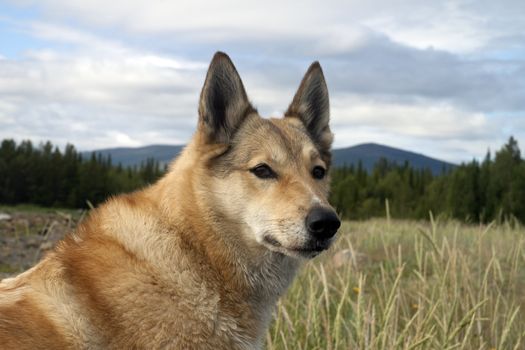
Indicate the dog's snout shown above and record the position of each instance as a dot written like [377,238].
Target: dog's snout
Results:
[322,223]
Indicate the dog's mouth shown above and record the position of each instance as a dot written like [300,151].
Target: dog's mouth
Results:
[311,249]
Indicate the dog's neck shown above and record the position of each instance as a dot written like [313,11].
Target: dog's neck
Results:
[243,264]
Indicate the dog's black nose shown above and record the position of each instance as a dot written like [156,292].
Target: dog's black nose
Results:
[322,223]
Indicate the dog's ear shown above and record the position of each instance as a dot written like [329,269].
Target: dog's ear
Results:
[310,104]
[223,102]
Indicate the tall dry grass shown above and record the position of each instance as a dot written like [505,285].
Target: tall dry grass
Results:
[409,285]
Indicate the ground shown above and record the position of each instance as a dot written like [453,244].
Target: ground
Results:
[27,233]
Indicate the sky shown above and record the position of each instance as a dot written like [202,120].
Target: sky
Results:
[442,78]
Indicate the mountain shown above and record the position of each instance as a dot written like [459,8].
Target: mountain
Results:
[368,153]
[130,156]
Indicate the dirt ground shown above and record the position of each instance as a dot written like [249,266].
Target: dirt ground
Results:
[26,236]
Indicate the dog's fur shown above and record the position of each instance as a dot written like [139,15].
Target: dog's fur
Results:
[198,259]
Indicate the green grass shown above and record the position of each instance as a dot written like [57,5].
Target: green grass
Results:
[6,268]
[410,285]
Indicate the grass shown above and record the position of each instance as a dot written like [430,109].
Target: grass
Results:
[409,285]
[31,208]
[8,269]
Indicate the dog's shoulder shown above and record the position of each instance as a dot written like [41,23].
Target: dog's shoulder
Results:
[24,326]
[28,319]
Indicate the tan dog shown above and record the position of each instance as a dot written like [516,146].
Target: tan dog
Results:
[199,259]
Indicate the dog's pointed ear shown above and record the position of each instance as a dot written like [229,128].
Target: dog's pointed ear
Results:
[223,102]
[311,105]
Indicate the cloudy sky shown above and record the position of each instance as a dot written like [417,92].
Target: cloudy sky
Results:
[443,78]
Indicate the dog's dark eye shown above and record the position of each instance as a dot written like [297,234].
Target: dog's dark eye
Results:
[263,171]
[318,172]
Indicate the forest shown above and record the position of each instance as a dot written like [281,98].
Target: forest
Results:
[49,177]
[493,189]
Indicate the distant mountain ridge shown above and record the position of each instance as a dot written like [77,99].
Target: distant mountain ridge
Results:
[131,156]
[368,153]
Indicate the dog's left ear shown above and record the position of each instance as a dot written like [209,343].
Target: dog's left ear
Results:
[310,104]
[223,102]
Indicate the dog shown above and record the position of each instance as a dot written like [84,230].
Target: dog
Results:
[199,259]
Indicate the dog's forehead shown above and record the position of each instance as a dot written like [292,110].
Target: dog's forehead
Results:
[280,139]
[294,136]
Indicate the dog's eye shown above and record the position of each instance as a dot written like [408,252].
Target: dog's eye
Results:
[263,171]
[318,172]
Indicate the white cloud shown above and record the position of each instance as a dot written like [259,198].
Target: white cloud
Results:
[426,119]
[440,24]
[130,74]
[440,130]
[98,95]
[450,25]
[123,139]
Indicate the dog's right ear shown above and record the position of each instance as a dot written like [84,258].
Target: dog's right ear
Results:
[223,102]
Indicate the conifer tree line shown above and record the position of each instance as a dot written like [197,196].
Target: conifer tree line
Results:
[49,177]
[474,192]
[493,189]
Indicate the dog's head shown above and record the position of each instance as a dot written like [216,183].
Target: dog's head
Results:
[269,177]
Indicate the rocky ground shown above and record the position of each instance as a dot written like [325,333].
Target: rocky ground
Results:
[27,235]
